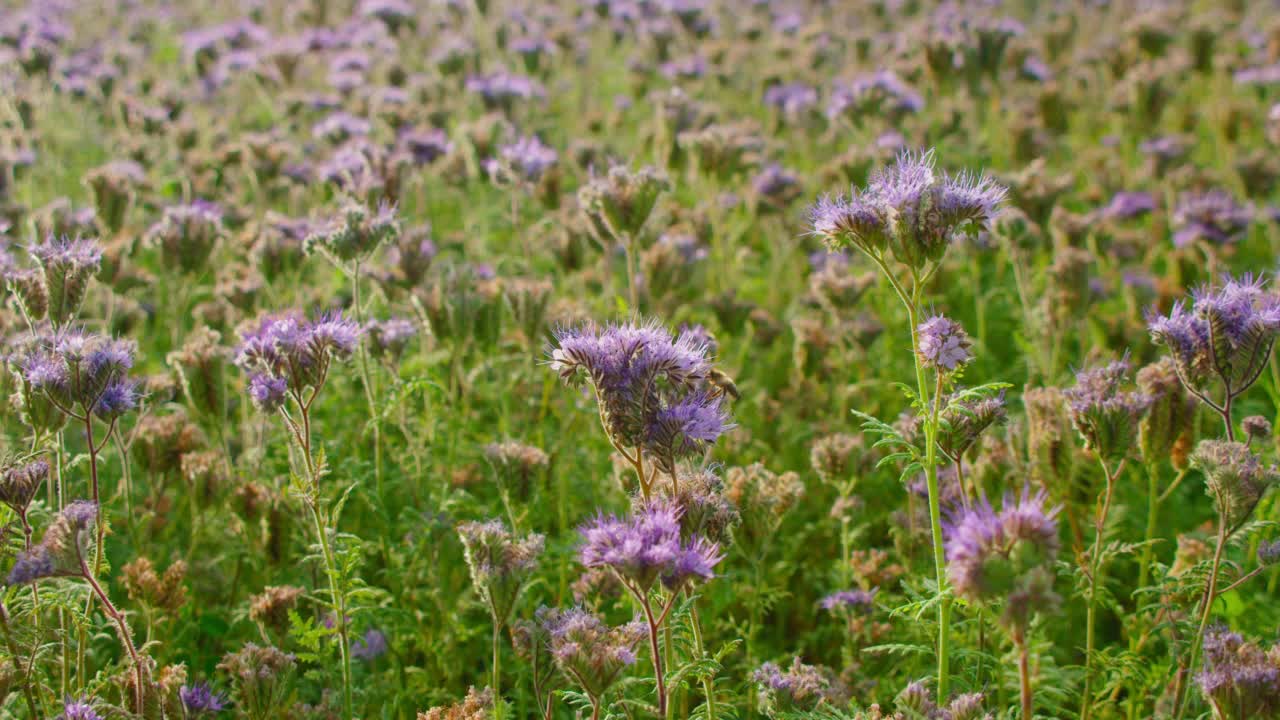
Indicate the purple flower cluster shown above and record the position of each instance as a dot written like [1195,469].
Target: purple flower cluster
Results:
[370,647]
[800,688]
[848,600]
[651,387]
[527,159]
[1240,679]
[909,208]
[200,700]
[587,650]
[79,710]
[943,344]
[1005,555]
[286,353]
[1226,333]
[1213,217]
[648,547]
[1105,416]
[74,373]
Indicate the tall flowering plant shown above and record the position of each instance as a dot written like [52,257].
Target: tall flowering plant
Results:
[288,359]
[904,221]
[1220,343]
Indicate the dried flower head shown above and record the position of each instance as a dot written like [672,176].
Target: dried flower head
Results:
[165,593]
[19,483]
[478,705]
[271,607]
[518,466]
[831,456]
[705,511]
[763,498]
[1168,424]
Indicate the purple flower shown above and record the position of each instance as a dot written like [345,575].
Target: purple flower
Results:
[641,374]
[1128,205]
[267,392]
[1006,555]
[944,345]
[1240,679]
[527,158]
[1214,217]
[79,710]
[647,547]
[116,399]
[1106,417]
[1226,333]
[32,565]
[798,689]
[586,649]
[289,348]
[370,647]
[849,599]
[685,428]
[910,208]
[200,699]
[792,99]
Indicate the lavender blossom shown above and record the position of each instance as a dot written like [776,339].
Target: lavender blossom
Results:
[648,547]
[1213,217]
[909,208]
[589,652]
[1106,417]
[1226,333]
[200,700]
[299,352]
[1007,555]
[943,344]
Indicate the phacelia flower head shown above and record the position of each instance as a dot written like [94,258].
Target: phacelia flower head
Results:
[1240,679]
[849,600]
[64,547]
[964,418]
[1005,555]
[70,371]
[1213,217]
[200,700]
[1169,420]
[80,709]
[66,266]
[298,352]
[500,563]
[943,344]
[800,688]
[621,200]
[1106,416]
[589,652]
[1235,478]
[355,232]
[1227,333]
[651,387]
[909,208]
[187,234]
[20,482]
[525,160]
[370,647]
[647,547]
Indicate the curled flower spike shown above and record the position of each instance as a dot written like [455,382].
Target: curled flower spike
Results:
[63,549]
[653,390]
[354,233]
[66,266]
[799,688]
[622,200]
[910,209]
[1240,679]
[1226,334]
[1106,417]
[187,234]
[290,350]
[1235,478]
[589,652]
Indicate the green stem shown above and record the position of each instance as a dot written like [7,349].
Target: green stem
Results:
[17,666]
[338,603]
[707,688]
[935,510]
[1024,673]
[497,664]
[1095,573]
[1153,519]
[1197,642]
[367,381]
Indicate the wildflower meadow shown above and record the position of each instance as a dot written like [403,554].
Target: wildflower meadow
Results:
[639,360]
